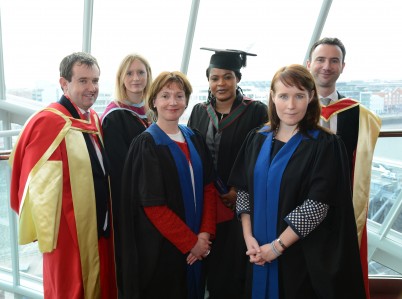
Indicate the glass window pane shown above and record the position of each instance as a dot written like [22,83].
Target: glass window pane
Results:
[370,31]
[379,269]
[154,29]
[278,35]
[31,260]
[386,178]
[36,36]
[385,207]
[5,248]
[397,225]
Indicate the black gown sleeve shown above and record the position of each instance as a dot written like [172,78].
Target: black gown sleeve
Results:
[120,127]
[238,174]
[332,251]
[327,160]
[116,144]
[261,113]
[141,185]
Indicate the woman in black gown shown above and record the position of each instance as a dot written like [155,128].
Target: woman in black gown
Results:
[224,121]
[123,119]
[168,211]
[294,200]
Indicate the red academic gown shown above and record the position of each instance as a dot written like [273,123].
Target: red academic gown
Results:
[52,190]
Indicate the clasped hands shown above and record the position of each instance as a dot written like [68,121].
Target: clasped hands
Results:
[259,255]
[201,249]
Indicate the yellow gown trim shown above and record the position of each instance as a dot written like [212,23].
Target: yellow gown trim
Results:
[369,129]
[39,217]
[83,194]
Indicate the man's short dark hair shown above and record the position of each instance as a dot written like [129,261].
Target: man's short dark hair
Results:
[329,41]
[66,65]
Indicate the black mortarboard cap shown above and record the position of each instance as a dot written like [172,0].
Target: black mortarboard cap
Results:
[228,59]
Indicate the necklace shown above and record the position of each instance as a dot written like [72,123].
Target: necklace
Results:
[274,134]
[221,115]
[295,131]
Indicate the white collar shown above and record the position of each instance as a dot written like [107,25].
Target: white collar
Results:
[333,96]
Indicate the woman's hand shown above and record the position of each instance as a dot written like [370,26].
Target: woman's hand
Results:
[254,251]
[191,259]
[229,199]
[201,249]
[267,253]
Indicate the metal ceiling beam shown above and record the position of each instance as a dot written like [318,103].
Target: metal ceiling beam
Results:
[188,44]
[2,79]
[319,25]
[87,26]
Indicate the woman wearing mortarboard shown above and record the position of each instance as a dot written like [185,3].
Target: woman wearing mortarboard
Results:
[224,121]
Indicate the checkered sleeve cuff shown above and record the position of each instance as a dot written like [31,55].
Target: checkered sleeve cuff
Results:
[305,218]
[242,202]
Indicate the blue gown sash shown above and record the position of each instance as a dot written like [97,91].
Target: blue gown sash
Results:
[267,181]
[193,207]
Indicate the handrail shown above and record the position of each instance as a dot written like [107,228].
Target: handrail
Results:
[385,287]
[5,154]
[396,133]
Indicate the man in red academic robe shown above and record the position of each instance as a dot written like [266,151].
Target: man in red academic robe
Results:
[60,188]
[357,126]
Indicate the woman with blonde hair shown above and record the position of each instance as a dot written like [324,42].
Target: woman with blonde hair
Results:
[125,118]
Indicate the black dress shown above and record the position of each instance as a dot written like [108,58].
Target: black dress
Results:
[227,260]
